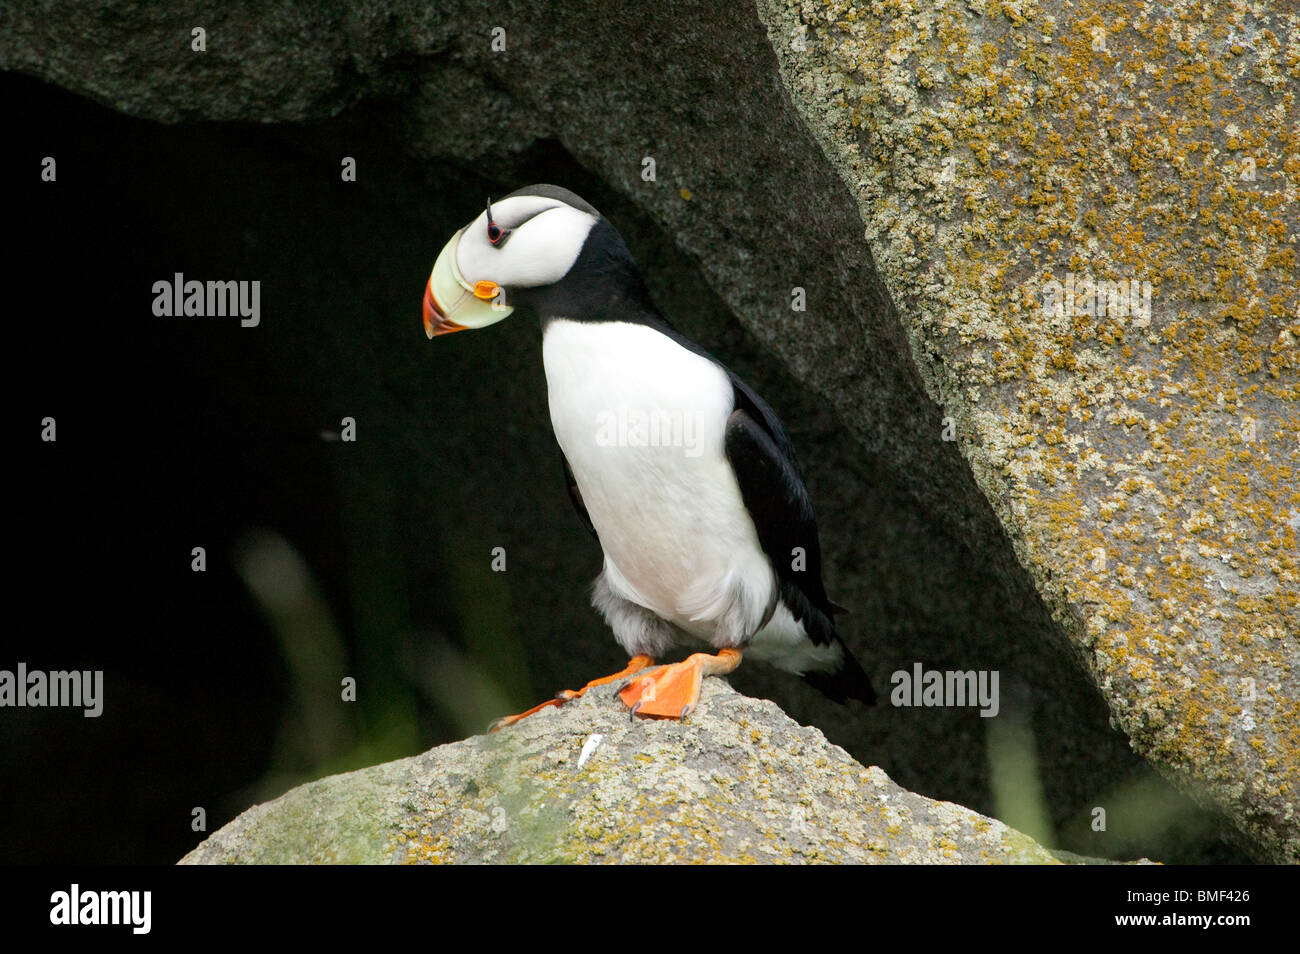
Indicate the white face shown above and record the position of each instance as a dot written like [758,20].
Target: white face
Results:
[534,241]
[543,239]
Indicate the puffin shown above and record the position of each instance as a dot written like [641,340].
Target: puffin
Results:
[684,475]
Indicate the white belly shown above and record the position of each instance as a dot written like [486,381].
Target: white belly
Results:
[641,421]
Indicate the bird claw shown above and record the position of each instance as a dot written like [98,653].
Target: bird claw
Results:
[632,715]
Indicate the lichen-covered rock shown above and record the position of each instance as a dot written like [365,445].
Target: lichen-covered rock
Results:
[738,782]
[1142,445]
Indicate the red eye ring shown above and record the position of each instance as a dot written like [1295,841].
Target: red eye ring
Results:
[496,235]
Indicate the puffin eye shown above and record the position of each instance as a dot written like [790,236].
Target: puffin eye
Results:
[495,233]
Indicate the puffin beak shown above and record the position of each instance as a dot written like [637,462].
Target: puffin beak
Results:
[436,321]
[448,293]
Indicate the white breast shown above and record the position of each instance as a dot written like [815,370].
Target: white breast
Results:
[642,420]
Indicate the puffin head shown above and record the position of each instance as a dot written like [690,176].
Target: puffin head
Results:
[527,241]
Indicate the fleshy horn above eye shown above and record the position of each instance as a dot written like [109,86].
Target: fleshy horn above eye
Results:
[495,233]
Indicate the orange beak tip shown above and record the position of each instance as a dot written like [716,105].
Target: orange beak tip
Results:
[435,320]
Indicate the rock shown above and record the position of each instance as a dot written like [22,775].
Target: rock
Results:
[1144,461]
[739,782]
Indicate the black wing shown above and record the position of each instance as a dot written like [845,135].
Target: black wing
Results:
[772,487]
[774,493]
[576,496]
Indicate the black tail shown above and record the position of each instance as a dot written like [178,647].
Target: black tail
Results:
[851,682]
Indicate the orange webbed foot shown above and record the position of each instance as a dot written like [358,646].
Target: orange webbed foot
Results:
[634,665]
[512,719]
[673,692]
